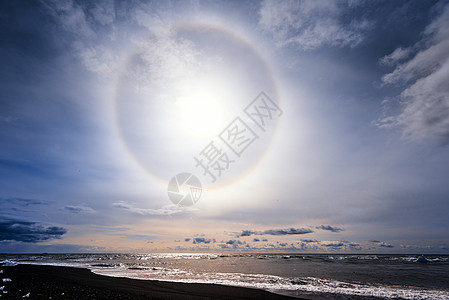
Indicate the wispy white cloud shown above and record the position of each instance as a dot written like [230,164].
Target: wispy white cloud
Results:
[91,32]
[103,12]
[163,211]
[425,96]
[311,24]
[70,16]
[399,54]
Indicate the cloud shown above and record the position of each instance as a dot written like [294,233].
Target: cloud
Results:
[312,244]
[334,245]
[23,201]
[29,232]
[76,209]
[71,17]
[396,56]
[385,245]
[310,241]
[256,240]
[247,233]
[329,228]
[288,231]
[91,31]
[424,114]
[234,244]
[203,241]
[311,24]
[354,246]
[187,239]
[166,210]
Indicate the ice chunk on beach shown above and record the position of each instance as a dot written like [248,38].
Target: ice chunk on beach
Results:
[26,296]
[1,271]
[1,288]
[422,259]
[296,280]
[6,279]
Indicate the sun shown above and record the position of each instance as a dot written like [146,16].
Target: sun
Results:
[201,107]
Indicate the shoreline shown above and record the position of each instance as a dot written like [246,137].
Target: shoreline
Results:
[43,282]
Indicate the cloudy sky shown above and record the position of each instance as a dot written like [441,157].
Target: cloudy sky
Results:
[313,126]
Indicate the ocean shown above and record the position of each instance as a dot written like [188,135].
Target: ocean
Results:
[348,276]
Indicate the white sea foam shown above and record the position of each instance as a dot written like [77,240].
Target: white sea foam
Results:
[276,283]
[8,263]
[174,267]
[178,256]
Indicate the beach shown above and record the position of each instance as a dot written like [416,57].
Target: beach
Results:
[222,276]
[56,282]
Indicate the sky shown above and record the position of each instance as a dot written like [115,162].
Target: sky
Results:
[301,126]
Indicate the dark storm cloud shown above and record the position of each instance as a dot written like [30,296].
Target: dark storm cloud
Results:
[30,232]
[329,228]
[289,231]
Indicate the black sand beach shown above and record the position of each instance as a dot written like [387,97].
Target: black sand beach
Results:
[54,282]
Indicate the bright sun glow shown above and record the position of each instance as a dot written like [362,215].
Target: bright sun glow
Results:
[201,108]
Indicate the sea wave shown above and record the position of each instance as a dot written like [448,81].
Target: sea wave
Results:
[276,283]
[182,267]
